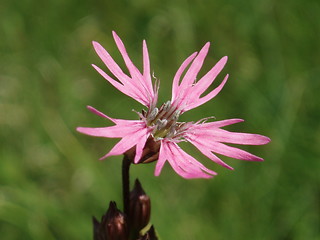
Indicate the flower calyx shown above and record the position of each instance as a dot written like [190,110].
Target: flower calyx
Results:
[140,208]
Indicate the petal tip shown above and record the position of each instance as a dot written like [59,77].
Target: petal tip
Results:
[224,59]
[207,45]
[136,160]
[96,45]
[267,140]
[115,36]
[156,173]
[261,140]
[91,109]
[193,55]
[257,159]
[79,129]
[229,167]
[204,50]
[105,156]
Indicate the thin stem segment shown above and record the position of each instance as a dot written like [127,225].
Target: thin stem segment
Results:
[126,184]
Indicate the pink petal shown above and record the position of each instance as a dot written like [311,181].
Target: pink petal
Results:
[207,152]
[134,72]
[117,72]
[122,122]
[211,132]
[125,144]
[127,89]
[110,63]
[131,67]
[108,132]
[95,111]
[182,163]
[218,124]
[233,152]
[121,147]
[208,97]
[161,159]
[117,131]
[221,135]
[189,79]
[176,79]
[139,86]
[195,67]
[170,157]
[140,145]
[190,162]
[114,83]
[185,165]
[146,68]
[202,85]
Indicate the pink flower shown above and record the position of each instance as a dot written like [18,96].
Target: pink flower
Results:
[160,126]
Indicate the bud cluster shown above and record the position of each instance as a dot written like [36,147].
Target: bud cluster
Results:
[116,225]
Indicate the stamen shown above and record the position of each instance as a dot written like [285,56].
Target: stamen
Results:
[144,112]
[204,120]
[161,123]
[167,106]
[141,115]
[176,115]
[172,131]
[153,114]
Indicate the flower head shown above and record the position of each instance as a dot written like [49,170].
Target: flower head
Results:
[155,136]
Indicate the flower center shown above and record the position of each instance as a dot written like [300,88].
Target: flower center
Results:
[164,121]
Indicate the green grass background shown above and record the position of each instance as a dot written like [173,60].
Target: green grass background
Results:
[51,181]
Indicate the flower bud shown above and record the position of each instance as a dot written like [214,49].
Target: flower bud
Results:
[97,234]
[113,225]
[140,208]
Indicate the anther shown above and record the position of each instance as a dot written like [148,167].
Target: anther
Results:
[153,114]
[176,115]
[167,106]
[161,123]
[172,131]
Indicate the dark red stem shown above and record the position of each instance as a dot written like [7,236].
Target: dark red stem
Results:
[126,184]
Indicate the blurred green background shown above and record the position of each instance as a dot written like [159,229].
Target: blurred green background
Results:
[51,181]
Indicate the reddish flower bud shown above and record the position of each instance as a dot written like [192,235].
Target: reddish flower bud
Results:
[113,225]
[97,234]
[140,208]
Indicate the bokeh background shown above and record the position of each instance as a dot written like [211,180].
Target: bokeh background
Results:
[51,181]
